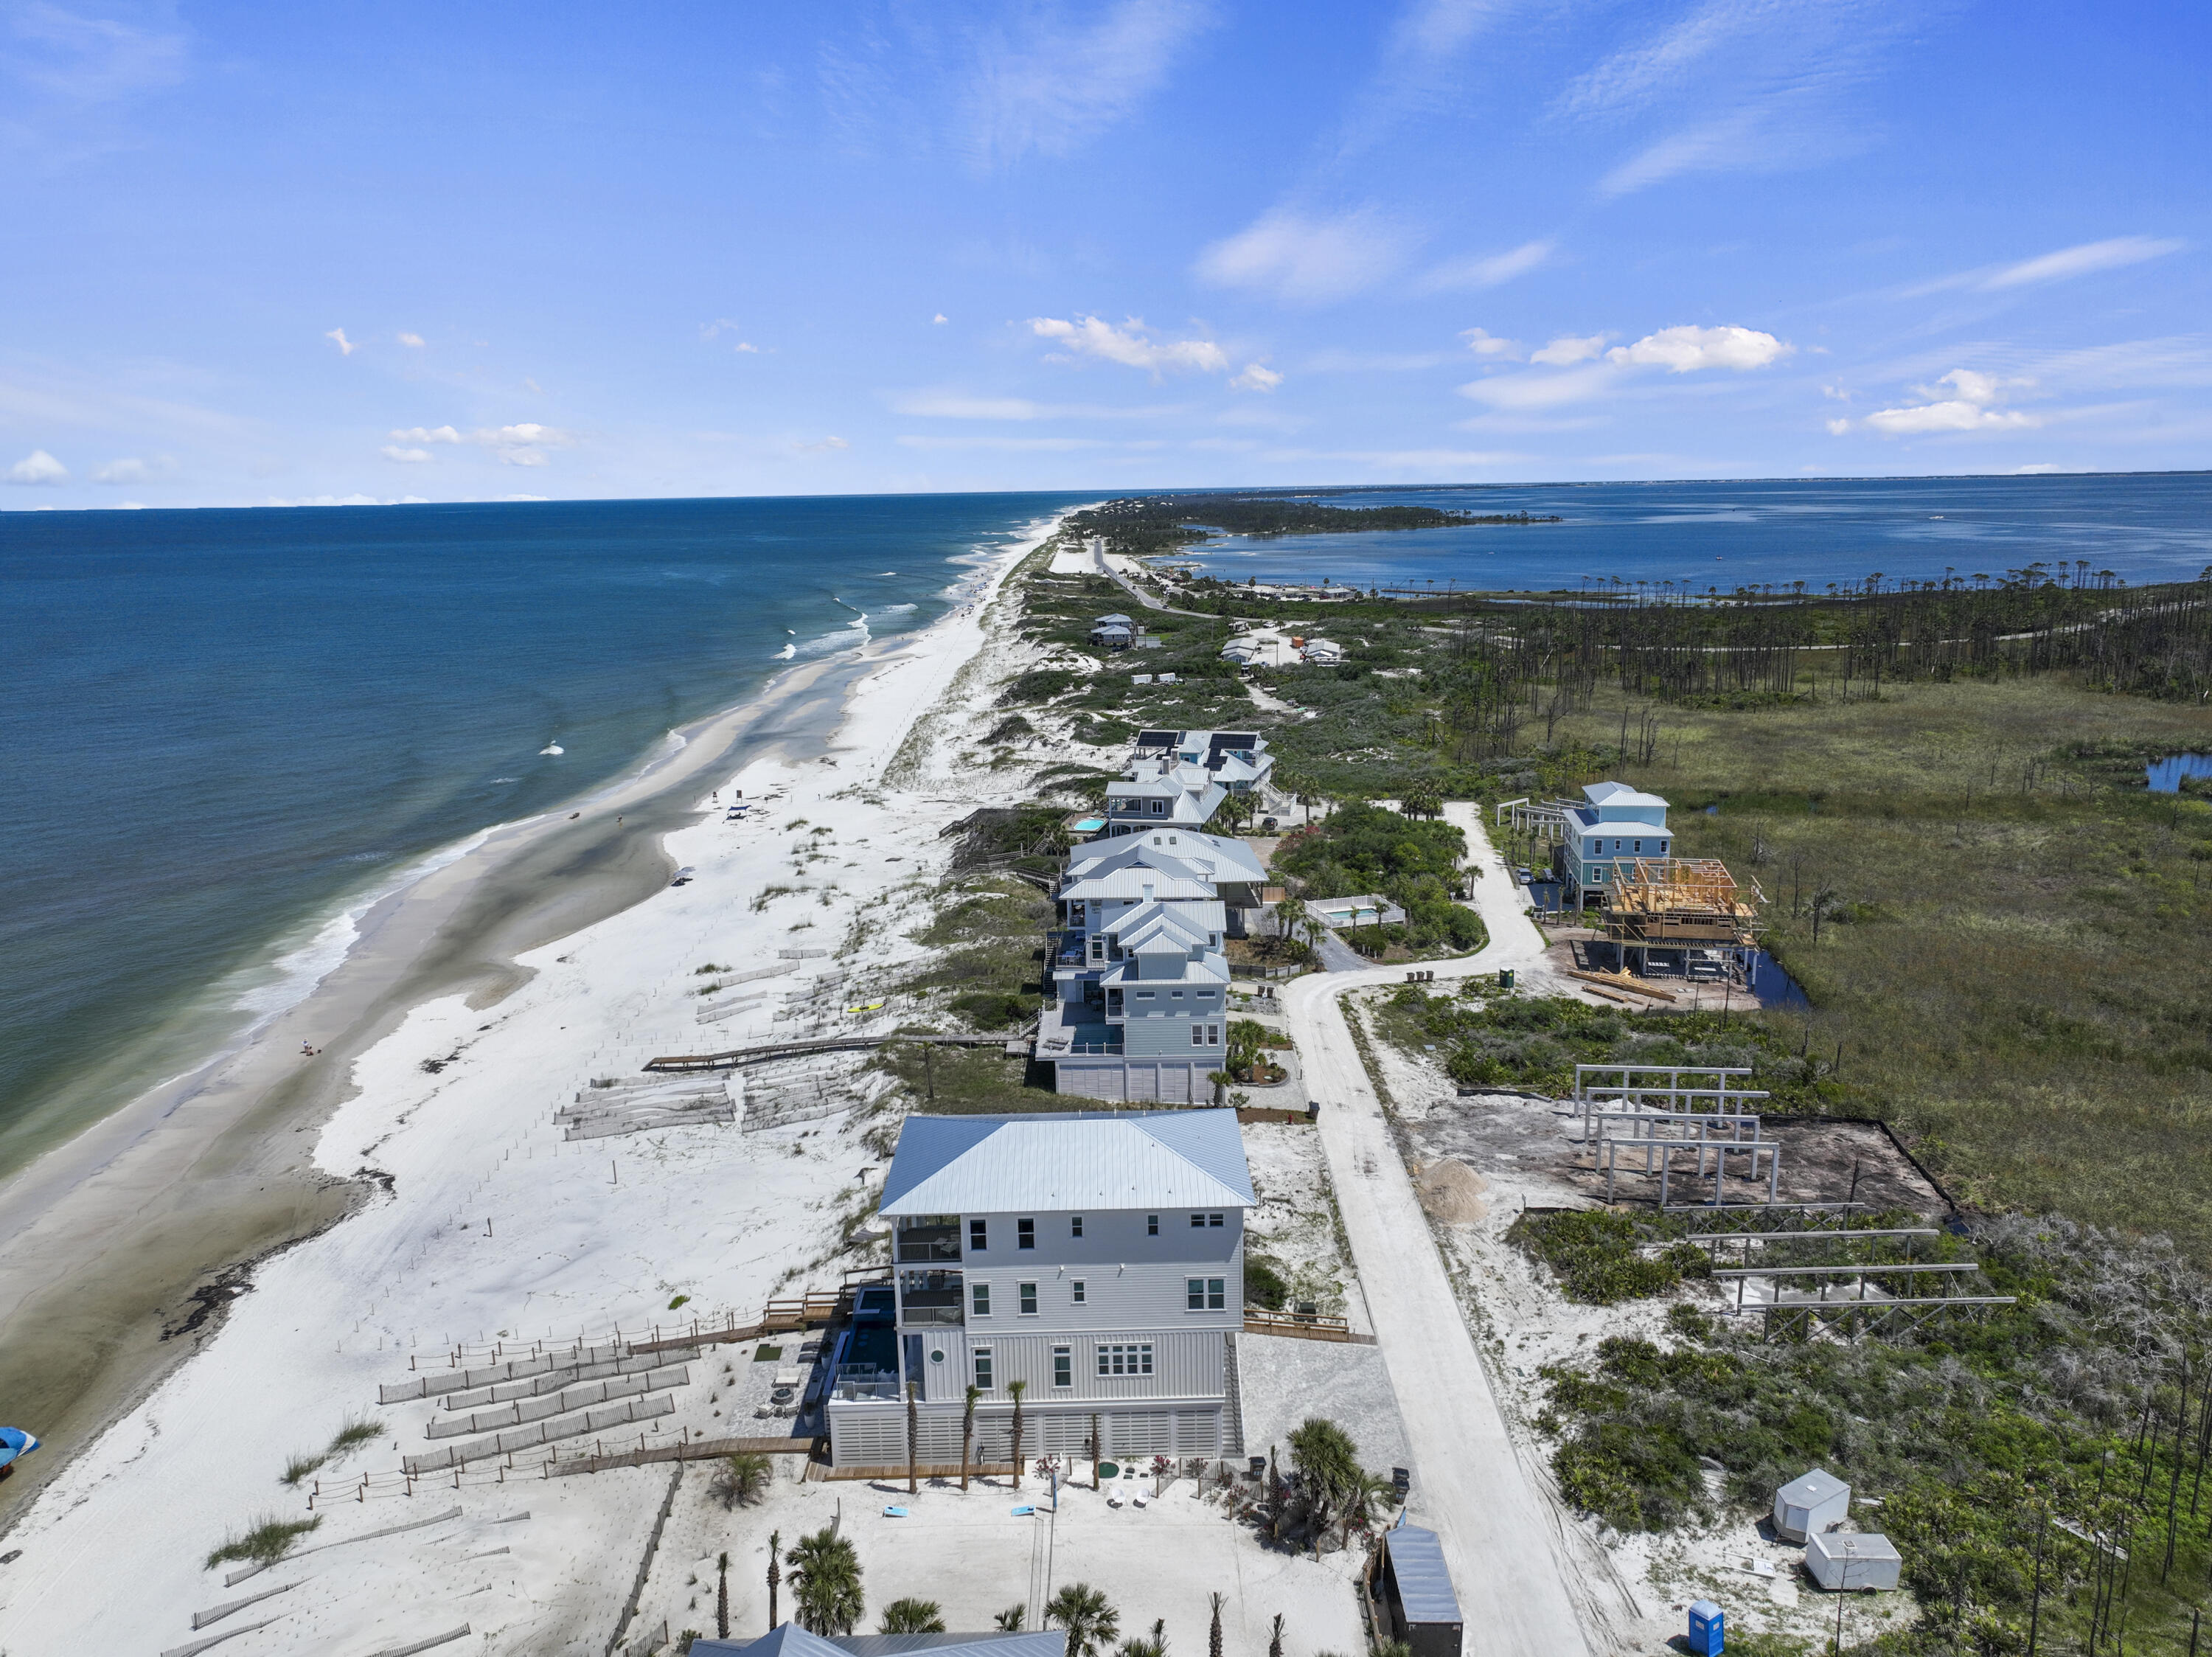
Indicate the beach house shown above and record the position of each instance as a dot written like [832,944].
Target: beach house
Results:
[1096,1258]
[1113,632]
[1140,977]
[1614,825]
[1180,778]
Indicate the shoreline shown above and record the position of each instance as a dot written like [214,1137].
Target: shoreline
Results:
[138,1230]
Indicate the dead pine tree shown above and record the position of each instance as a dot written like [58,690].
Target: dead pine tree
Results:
[968,1432]
[1213,1633]
[1017,1388]
[722,1597]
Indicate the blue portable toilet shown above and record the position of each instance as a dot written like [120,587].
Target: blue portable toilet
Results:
[1706,1631]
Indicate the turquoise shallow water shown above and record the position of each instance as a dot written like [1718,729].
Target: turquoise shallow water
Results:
[219,728]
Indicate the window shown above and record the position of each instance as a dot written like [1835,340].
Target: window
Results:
[1201,1221]
[1197,1035]
[979,1296]
[979,1233]
[1206,1294]
[1214,1035]
[982,1355]
[1077,1285]
[1639,846]
[1126,1360]
[1194,1291]
[1063,1367]
[1159,807]
[1025,1233]
[1027,1293]
[1075,1225]
[1151,1225]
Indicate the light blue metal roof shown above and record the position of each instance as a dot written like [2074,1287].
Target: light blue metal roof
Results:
[1064,1162]
[1424,1587]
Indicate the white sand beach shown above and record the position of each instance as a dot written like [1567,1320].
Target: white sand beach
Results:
[489,1228]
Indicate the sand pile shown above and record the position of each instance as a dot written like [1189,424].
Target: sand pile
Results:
[1452,1191]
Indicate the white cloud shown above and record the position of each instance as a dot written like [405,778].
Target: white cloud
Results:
[38,468]
[827,445]
[1569,348]
[414,339]
[523,498]
[1490,270]
[956,406]
[2090,256]
[1543,390]
[520,445]
[1090,336]
[2085,260]
[1686,349]
[346,347]
[1257,376]
[128,470]
[1484,344]
[746,347]
[1742,85]
[1583,374]
[1307,261]
[1838,428]
[940,317]
[1971,406]
[1019,445]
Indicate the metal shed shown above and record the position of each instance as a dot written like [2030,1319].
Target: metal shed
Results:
[1417,1599]
[1844,1559]
[1804,1506]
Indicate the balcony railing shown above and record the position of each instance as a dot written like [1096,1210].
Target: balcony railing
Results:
[1094,1047]
[924,1245]
[930,1317]
[856,1381]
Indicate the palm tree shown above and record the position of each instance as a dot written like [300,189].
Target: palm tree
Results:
[1154,1644]
[1090,1623]
[1213,1633]
[741,1478]
[722,1597]
[968,1432]
[826,1582]
[1358,1498]
[913,1617]
[1275,1637]
[1018,1387]
[912,1473]
[1290,914]
[775,1572]
[1010,1620]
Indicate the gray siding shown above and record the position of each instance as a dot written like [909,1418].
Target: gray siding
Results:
[1178,1079]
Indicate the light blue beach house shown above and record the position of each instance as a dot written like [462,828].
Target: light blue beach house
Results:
[1614,825]
[1179,778]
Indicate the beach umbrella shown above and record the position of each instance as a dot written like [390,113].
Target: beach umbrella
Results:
[15,1443]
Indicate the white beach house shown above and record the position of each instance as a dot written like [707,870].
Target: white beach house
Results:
[1141,975]
[1615,825]
[1098,1258]
[1180,778]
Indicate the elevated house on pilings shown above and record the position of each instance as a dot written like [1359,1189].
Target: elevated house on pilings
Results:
[1688,912]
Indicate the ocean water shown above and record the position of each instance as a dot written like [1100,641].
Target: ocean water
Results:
[221,731]
[2147,526]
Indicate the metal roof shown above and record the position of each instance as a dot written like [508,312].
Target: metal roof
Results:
[1619,794]
[1424,1587]
[1811,1490]
[1862,1545]
[1058,1163]
[1132,884]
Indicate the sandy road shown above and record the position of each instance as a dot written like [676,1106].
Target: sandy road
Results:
[1502,1540]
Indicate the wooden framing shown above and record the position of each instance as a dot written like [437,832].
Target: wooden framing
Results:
[1678,903]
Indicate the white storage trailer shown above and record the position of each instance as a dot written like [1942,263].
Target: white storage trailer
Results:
[1844,1559]
[1806,1506]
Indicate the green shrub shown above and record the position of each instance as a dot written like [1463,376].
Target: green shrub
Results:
[1263,1284]
[268,1540]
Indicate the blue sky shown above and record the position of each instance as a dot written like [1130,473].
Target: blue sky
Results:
[283,253]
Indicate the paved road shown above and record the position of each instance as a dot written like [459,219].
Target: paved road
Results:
[1504,1541]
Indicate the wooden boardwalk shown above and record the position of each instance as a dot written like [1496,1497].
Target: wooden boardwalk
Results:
[1303,1325]
[737,1057]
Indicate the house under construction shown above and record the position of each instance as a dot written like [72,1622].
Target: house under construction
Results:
[1688,912]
